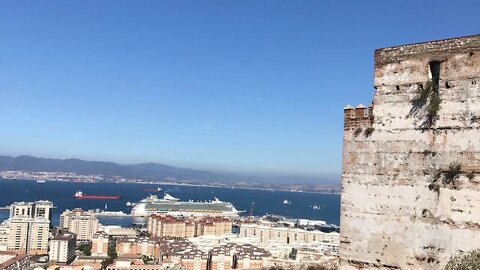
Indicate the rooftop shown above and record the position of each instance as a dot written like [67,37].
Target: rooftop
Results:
[13,260]
[65,236]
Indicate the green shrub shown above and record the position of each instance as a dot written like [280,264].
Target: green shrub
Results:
[368,131]
[465,261]
[357,131]
[87,250]
[317,267]
[112,253]
[426,104]
[452,173]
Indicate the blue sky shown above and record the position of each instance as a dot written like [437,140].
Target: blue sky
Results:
[254,86]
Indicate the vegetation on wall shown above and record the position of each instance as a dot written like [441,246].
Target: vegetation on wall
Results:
[368,131]
[465,261]
[357,131]
[426,104]
[446,177]
[434,187]
[452,173]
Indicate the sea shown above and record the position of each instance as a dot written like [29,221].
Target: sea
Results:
[257,201]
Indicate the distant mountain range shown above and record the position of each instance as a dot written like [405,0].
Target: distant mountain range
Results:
[147,171]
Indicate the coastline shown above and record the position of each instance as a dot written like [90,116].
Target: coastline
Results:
[184,184]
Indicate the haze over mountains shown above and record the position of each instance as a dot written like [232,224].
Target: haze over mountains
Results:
[149,171]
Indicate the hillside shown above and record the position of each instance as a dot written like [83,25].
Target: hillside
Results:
[148,171]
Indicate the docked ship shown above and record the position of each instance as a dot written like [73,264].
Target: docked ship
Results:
[111,214]
[169,205]
[79,195]
[152,189]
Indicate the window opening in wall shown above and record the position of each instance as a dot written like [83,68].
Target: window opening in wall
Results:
[426,103]
[435,73]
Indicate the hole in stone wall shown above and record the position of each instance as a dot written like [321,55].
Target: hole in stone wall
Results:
[435,72]
[447,85]
[398,87]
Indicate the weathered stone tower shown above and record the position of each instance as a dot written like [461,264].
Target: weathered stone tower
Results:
[411,161]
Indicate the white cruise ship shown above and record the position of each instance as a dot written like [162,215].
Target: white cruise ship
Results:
[169,205]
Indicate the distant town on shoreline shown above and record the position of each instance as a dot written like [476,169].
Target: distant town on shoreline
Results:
[76,170]
[42,177]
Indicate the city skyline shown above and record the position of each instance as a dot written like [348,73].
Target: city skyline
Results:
[254,87]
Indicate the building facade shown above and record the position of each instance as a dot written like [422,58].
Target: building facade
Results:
[100,244]
[4,235]
[169,226]
[138,246]
[228,256]
[27,228]
[28,235]
[237,256]
[35,210]
[83,223]
[62,247]
[411,162]
[288,235]
[127,264]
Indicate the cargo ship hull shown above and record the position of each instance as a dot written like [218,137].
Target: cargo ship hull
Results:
[97,197]
[79,195]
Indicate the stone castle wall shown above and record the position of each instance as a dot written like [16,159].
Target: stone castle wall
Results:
[410,190]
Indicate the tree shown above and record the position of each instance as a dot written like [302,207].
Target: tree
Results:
[106,263]
[146,259]
[465,261]
[87,250]
[81,247]
[112,253]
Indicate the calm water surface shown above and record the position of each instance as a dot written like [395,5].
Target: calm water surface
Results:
[60,193]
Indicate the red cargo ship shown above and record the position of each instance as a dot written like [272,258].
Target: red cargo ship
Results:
[79,195]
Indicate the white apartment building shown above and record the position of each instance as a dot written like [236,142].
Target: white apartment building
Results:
[62,247]
[27,229]
[285,235]
[4,235]
[29,236]
[36,210]
[83,223]
[100,244]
